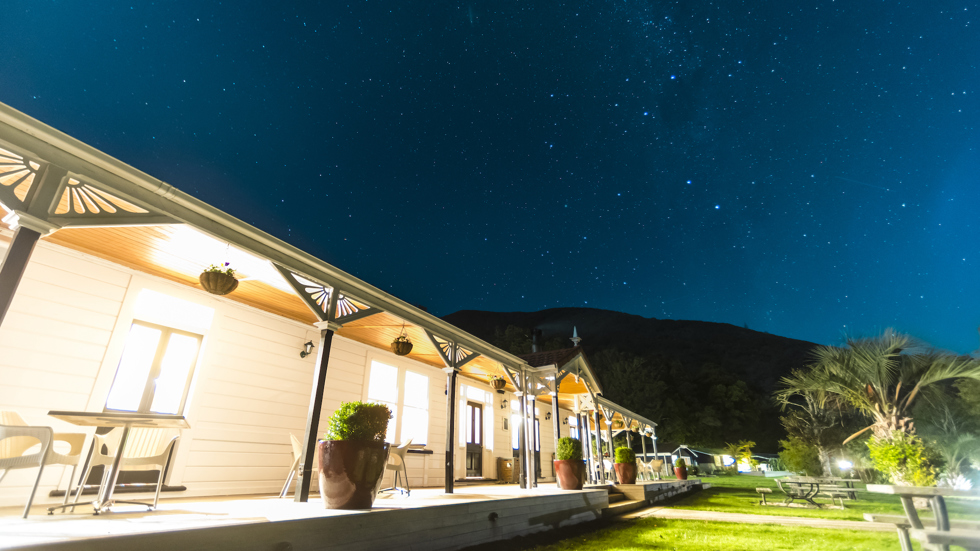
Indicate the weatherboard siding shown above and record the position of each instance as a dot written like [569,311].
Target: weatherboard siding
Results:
[64,334]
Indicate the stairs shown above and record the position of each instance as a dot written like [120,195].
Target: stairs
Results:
[619,504]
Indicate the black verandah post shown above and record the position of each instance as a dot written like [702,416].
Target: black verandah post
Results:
[450,426]
[313,418]
[14,265]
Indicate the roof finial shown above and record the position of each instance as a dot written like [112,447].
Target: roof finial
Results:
[575,338]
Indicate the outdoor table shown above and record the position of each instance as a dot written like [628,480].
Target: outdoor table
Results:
[127,421]
[937,503]
[798,482]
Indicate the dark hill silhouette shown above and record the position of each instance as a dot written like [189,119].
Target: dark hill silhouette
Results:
[760,358]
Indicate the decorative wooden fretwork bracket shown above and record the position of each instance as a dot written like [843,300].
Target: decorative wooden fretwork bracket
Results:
[33,190]
[327,302]
[451,353]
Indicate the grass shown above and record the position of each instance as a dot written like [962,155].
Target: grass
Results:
[688,535]
[736,494]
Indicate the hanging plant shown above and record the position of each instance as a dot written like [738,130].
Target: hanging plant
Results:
[402,345]
[498,383]
[218,279]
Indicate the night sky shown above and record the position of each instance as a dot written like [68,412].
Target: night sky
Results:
[802,168]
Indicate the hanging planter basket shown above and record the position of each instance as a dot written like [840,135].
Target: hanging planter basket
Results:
[498,384]
[617,424]
[401,346]
[218,283]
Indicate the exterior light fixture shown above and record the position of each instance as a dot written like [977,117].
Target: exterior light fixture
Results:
[547,416]
[307,348]
[503,404]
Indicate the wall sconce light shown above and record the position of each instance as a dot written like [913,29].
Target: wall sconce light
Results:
[547,416]
[503,404]
[307,348]
[564,421]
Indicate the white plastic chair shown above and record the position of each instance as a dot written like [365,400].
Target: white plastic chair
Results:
[16,438]
[294,469]
[607,466]
[657,466]
[146,449]
[396,462]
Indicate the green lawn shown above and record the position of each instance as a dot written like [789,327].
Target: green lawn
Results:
[688,535]
[736,494]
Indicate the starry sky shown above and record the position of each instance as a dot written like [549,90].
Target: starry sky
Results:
[809,169]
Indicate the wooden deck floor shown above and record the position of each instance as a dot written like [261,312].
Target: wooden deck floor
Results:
[429,519]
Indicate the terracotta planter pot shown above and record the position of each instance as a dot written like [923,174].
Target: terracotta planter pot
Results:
[401,348]
[350,472]
[680,473]
[625,472]
[218,283]
[571,474]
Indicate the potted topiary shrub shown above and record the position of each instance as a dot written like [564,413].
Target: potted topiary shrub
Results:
[569,466]
[498,383]
[353,455]
[625,465]
[680,469]
[218,279]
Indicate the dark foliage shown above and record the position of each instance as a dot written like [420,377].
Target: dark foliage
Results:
[359,421]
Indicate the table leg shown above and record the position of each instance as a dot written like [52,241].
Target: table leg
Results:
[105,493]
[911,513]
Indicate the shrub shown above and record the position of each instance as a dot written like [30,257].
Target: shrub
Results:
[569,449]
[800,456]
[680,463]
[904,459]
[625,455]
[359,421]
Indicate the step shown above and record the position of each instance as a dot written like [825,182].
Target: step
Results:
[616,498]
[623,507]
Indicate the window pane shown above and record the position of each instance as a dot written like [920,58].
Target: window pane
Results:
[392,423]
[515,431]
[415,425]
[177,363]
[416,390]
[134,368]
[383,384]
[477,425]
[474,393]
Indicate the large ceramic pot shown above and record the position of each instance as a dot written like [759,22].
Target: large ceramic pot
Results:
[217,283]
[350,472]
[625,472]
[571,474]
[680,473]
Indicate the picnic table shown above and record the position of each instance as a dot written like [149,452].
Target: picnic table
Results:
[944,533]
[807,487]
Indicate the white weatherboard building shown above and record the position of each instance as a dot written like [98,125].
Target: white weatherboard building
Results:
[101,310]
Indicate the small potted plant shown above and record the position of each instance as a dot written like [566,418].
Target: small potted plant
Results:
[498,383]
[680,469]
[569,466]
[218,279]
[353,455]
[625,465]
[402,345]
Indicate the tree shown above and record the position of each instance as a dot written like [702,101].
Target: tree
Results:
[881,377]
[813,415]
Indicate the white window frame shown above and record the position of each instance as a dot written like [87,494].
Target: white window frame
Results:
[396,437]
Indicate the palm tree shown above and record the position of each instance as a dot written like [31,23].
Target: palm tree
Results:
[881,377]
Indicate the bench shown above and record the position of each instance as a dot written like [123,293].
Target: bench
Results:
[834,494]
[936,540]
[902,524]
[762,492]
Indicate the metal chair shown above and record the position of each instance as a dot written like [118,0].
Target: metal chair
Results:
[146,449]
[17,438]
[657,466]
[297,453]
[396,462]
